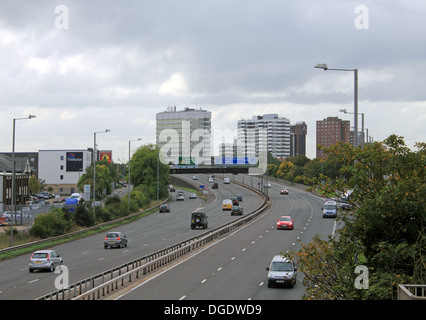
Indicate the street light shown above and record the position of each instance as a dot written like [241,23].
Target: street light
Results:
[362,130]
[94,167]
[128,178]
[13,200]
[355,71]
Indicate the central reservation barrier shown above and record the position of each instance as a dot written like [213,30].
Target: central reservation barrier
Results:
[102,285]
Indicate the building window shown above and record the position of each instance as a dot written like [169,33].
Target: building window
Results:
[62,158]
[61,177]
[62,167]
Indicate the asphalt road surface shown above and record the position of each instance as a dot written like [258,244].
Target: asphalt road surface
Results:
[87,257]
[234,268]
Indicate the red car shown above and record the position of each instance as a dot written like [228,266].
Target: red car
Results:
[285,222]
[283,191]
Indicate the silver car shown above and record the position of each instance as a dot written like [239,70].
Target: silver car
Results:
[45,260]
[115,239]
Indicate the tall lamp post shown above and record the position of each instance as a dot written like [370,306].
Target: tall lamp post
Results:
[128,178]
[355,71]
[13,198]
[362,125]
[94,166]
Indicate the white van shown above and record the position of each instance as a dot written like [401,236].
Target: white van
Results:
[329,209]
[226,180]
[227,204]
[281,271]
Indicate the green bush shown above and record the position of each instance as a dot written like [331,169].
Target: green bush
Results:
[83,216]
[51,224]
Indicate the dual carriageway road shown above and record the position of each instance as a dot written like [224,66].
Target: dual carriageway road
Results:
[232,268]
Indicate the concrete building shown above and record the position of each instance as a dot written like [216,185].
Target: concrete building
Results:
[184,137]
[330,131]
[265,133]
[298,139]
[61,169]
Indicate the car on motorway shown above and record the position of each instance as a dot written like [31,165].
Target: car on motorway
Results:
[281,272]
[44,260]
[180,196]
[171,188]
[227,204]
[211,179]
[199,219]
[285,223]
[115,239]
[237,210]
[283,191]
[239,198]
[192,196]
[226,180]
[329,209]
[194,178]
[234,201]
[215,185]
[164,208]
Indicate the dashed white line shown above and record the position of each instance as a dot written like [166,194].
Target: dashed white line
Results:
[204,281]
[32,281]
[183,297]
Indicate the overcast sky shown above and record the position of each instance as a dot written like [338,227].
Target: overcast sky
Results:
[83,66]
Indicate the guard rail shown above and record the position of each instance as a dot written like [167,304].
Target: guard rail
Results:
[103,284]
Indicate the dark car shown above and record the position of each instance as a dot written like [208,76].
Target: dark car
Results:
[164,208]
[215,185]
[239,198]
[199,219]
[234,201]
[237,210]
[115,239]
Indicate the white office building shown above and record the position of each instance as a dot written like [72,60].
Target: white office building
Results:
[265,133]
[61,169]
[184,136]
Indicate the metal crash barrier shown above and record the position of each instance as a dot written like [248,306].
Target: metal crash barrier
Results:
[100,286]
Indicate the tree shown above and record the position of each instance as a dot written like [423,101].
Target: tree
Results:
[388,223]
[34,184]
[103,177]
[143,171]
[284,169]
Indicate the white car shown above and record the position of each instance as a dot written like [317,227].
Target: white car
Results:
[192,196]
[7,215]
[281,272]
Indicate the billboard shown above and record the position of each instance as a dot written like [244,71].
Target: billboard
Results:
[74,161]
[105,155]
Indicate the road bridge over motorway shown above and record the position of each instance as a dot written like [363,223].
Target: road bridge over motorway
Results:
[209,170]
